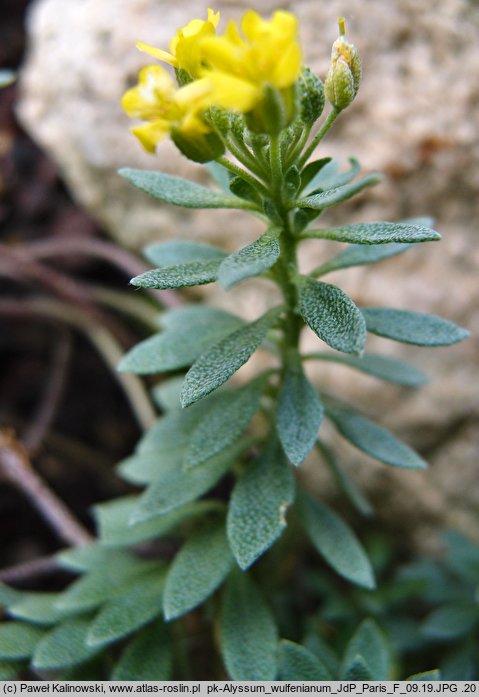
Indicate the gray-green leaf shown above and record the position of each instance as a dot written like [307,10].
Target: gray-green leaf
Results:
[223,422]
[18,640]
[370,644]
[336,542]
[175,252]
[197,571]
[345,483]
[249,638]
[260,499]
[298,663]
[299,415]
[419,328]
[105,581]
[359,255]
[332,197]
[215,366]
[113,521]
[252,260]
[189,332]
[147,656]
[382,367]
[64,646]
[332,315]
[451,621]
[180,192]
[171,491]
[37,607]
[140,603]
[372,439]
[375,233]
[193,273]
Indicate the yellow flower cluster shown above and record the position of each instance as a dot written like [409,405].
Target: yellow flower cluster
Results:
[231,71]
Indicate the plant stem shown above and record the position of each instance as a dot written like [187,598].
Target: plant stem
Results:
[331,118]
[240,172]
[285,269]
[16,468]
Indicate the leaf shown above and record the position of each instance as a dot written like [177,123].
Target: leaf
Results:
[370,644]
[299,414]
[137,605]
[146,467]
[64,646]
[418,328]
[217,364]
[172,491]
[357,670]
[167,393]
[359,255]
[332,315]
[180,192]
[375,233]
[330,177]
[223,423]
[113,519]
[174,252]
[37,607]
[193,273]
[332,197]
[8,595]
[336,542]
[248,635]
[382,367]
[189,332]
[429,676]
[260,499]
[104,582]
[298,663]
[252,260]
[18,640]
[373,439]
[198,569]
[451,621]
[170,432]
[347,485]
[9,671]
[87,558]
[147,656]
[311,170]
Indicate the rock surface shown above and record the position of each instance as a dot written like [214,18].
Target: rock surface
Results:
[414,119]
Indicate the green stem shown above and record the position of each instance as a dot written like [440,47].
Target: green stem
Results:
[240,172]
[244,156]
[332,116]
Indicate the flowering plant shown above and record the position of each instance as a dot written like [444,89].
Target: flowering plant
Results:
[243,102]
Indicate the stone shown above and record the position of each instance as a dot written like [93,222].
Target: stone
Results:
[413,119]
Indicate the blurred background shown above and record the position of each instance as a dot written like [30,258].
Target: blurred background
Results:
[72,231]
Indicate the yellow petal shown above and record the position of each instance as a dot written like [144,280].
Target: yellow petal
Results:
[150,134]
[232,92]
[157,53]
[288,67]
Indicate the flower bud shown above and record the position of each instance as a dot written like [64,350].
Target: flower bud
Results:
[202,147]
[344,75]
[311,96]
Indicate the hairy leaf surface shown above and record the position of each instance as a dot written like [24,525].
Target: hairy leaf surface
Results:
[332,315]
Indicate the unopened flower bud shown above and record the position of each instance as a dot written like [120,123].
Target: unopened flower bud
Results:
[344,75]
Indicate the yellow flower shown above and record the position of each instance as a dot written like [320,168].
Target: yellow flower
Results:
[166,109]
[185,47]
[240,68]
